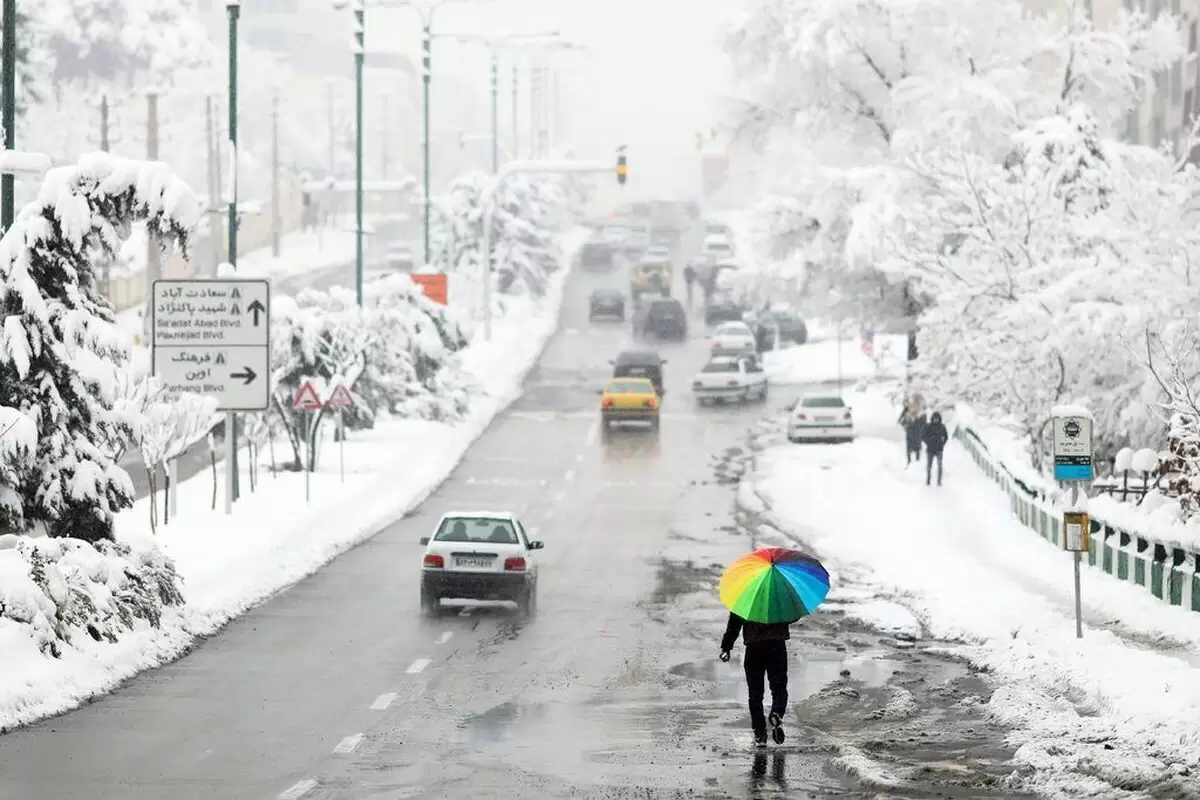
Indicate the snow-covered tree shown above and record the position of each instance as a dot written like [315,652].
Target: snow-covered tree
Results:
[61,350]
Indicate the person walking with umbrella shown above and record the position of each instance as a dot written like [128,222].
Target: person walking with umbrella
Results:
[765,591]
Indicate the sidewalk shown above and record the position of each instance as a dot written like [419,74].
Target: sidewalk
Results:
[1117,710]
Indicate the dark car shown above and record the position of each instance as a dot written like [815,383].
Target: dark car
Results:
[606,303]
[665,318]
[640,364]
[596,256]
[721,307]
[791,326]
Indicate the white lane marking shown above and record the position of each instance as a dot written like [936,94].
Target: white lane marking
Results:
[569,475]
[592,432]
[579,458]
[383,701]
[549,513]
[348,744]
[418,666]
[299,790]
[559,496]
[466,612]
[444,637]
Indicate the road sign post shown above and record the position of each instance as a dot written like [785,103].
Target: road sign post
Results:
[1073,449]
[341,399]
[213,337]
[307,402]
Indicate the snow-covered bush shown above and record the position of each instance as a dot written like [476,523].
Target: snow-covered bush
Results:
[396,354]
[62,352]
[529,212]
[169,423]
[68,591]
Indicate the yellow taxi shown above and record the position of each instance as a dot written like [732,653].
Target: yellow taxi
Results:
[629,400]
[651,276]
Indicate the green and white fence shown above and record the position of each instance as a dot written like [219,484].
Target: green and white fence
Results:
[1167,571]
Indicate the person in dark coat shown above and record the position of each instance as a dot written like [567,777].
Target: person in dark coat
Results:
[912,419]
[766,657]
[935,437]
[689,281]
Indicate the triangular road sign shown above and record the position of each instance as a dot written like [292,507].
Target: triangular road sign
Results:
[307,398]
[341,398]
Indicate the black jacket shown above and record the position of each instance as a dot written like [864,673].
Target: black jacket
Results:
[935,436]
[914,429]
[753,632]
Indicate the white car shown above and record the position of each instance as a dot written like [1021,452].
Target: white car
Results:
[717,248]
[733,338]
[821,418]
[725,378]
[400,257]
[479,555]
[656,251]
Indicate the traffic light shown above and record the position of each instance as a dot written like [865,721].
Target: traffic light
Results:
[622,169]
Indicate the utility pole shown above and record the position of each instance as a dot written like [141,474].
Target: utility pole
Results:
[275,211]
[8,76]
[516,109]
[360,53]
[104,144]
[495,112]
[153,254]
[212,145]
[535,99]
[231,465]
[426,79]
[386,137]
[332,119]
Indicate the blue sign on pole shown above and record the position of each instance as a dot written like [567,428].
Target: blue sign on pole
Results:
[1074,472]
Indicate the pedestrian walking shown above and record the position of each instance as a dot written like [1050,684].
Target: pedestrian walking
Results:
[935,437]
[689,281]
[766,663]
[912,419]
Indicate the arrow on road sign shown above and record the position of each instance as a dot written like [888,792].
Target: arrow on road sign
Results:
[248,375]
[341,398]
[306,399]
[257,309]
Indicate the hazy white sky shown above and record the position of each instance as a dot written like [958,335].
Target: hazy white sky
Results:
[651,77]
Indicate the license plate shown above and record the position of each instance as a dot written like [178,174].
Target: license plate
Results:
[473,562]
[824,419]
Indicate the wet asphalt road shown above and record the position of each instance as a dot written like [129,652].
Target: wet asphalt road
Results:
[338,687]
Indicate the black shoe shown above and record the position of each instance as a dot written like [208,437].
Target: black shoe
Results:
[760,738]
[776,728]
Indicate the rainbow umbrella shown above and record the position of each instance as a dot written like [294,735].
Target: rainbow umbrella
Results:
[774,584]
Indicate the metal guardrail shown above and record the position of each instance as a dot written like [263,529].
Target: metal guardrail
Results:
[1166,570]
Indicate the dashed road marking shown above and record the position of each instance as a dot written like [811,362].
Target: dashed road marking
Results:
[348,744]
[579,458]
[466,612]
[592,432]
[444,637]
[569,475]
[383,701]
[549,513]
[418,666]
[299,790]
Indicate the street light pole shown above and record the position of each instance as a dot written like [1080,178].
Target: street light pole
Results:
[516,109]
[8,73]
[360,53]
[495,112]
[231,465]
[426,79]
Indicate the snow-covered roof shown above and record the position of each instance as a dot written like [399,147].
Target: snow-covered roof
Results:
[1069,410]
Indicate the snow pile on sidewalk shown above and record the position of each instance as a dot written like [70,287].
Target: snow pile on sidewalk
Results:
[274,538]
[1114,714]
[818,360]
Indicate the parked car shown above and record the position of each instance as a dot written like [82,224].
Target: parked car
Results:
[596,256]
[787,320]
[478,555]
[604,302]
[400,257]
[665,318]
[821,418]
[730,378]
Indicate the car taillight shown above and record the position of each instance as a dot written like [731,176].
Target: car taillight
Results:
[514,564]
[846,416]
[651,403]
[696,384]
[801,417]
[434,561]
[607,402]
[731,383]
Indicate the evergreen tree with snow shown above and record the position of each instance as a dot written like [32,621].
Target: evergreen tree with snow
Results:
[60,350]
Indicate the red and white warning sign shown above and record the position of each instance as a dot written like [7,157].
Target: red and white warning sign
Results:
[340,398]
[307,398]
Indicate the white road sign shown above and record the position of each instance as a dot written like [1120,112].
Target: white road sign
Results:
[1073,447]
[214,337]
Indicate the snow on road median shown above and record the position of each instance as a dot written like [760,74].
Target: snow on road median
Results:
[1119,708]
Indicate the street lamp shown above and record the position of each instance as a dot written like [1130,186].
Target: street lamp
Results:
[8,75]
[495,44]
[360,32]
[233,7]
[535,48]
[425,10]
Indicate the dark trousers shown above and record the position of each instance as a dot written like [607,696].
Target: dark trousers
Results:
[929,457]
[766,660]
[914,453]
